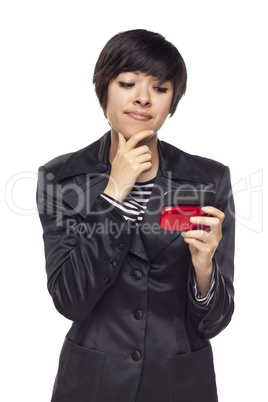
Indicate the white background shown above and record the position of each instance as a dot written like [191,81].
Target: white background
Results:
[48,107]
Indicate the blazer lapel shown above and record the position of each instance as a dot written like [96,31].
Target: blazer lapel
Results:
[81,197]
[85,175]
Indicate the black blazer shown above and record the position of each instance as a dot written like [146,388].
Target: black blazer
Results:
[137,333]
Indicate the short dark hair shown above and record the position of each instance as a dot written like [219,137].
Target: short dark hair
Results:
[144,51]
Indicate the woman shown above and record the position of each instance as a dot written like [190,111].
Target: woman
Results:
[144,301]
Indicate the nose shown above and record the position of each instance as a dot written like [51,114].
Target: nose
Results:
[142,98]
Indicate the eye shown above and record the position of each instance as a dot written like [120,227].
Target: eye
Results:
[161,90]
[126,84]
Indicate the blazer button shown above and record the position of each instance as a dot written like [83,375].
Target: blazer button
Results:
[121,246]
[136,355]
[114,263]
[137,274]
[138,314]
[107,280]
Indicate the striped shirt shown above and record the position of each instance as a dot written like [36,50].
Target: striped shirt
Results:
[134,205]
[133,209]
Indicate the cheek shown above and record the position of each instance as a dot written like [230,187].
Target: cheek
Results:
[113,113]
[112,107]
[115,103]
[164,107]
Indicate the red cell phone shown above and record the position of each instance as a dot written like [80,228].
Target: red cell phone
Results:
[180,205]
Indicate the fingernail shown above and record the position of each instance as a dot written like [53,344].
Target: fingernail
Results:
[193,219]
[205,209]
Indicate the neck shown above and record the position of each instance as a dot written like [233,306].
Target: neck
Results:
[151,143]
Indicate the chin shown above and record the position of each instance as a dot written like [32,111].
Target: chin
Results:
[128,135]
[130,131]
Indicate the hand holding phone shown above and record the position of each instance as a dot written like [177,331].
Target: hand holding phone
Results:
[179,206]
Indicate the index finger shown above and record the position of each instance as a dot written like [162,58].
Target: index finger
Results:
[212,211]
[136,138]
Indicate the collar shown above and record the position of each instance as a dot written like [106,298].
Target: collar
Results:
[173,163]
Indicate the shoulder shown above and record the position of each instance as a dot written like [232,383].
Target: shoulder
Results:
[87,159]
[218,171]
[212,166]
[181,160]
[202,160]
[55,165]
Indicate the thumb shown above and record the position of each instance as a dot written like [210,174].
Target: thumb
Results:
[121,141]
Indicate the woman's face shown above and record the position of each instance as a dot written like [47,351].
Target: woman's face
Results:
[137,102]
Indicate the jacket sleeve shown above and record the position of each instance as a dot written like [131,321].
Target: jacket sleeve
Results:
[83,256]
[210,321]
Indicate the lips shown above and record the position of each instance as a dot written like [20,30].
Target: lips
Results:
[139,115]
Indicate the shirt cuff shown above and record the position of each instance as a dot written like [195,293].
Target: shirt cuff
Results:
[113,202]
[129,212]
[204,300]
